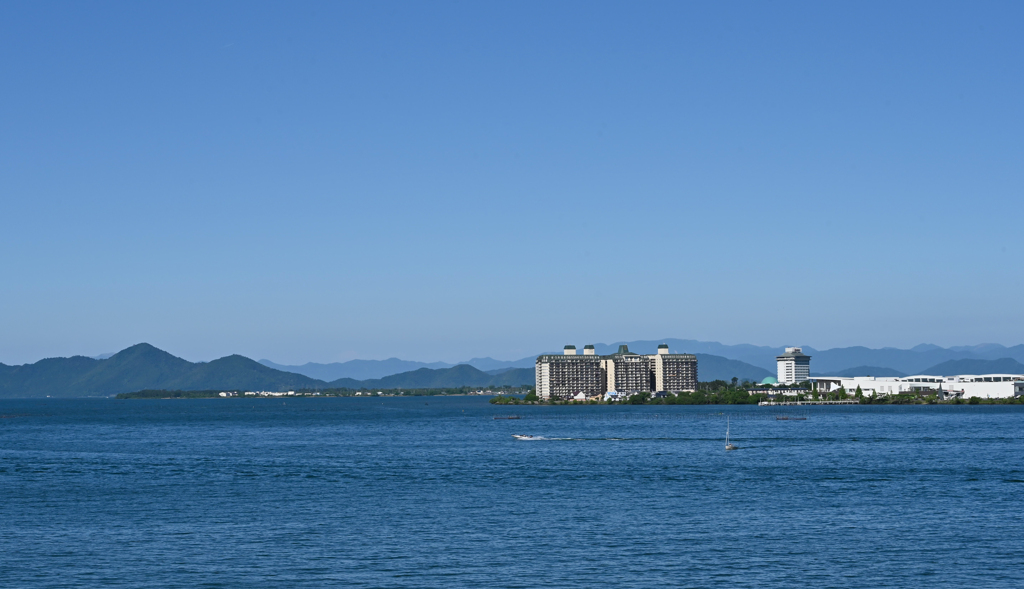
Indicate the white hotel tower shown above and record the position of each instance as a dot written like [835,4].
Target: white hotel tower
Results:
[794,366]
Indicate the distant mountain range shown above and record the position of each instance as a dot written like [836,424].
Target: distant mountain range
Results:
[145,367]
[355,369]
[711,367]
[865,371]
[460,375]
[829,362]
[947,368]
[953,367]
[371,369]
[833,362]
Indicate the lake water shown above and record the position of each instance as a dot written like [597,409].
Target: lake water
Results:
[434,492]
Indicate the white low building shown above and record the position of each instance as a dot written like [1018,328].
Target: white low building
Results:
[985,386]
[270,393]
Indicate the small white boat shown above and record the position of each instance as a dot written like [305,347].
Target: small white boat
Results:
[522,437]
[728,446]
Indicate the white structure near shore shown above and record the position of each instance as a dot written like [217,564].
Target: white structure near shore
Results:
[793,366]
[267,394]
[984,386]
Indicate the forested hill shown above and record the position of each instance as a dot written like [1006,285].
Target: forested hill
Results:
[146,367]
[140,367]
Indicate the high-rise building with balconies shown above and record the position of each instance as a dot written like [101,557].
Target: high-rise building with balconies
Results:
[566,375]
[627,372]
[674,372]
[562,377]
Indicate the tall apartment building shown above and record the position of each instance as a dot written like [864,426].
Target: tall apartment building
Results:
[794,366]
[562,377]
[625,371]
[674,372]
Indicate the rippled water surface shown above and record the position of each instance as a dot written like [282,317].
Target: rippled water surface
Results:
[434,492]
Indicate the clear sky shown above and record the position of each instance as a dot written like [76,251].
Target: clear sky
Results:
[442,180]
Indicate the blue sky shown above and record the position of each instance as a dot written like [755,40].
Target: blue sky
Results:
[436,181]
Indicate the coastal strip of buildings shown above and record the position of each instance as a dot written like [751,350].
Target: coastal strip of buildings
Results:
[795,367]
[589,377]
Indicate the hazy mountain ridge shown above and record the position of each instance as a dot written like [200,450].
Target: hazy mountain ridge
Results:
[427,378]
[878,371]
[906,361]
[355,369]
[760,356]
[710,367]
[829,362]
[970,366]
[375,369]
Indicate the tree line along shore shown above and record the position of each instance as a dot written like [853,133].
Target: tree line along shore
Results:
[718,392]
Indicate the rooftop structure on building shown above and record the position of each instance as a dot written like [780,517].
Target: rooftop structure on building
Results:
[567,375]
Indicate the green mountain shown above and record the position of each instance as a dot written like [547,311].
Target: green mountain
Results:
[128,370]
[51,376]
[141,367]
[239,372]
[514,377]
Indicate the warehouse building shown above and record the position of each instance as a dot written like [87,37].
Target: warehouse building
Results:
[965,386]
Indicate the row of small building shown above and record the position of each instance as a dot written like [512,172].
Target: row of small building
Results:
[571,376]
[794,367]
[259,394]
